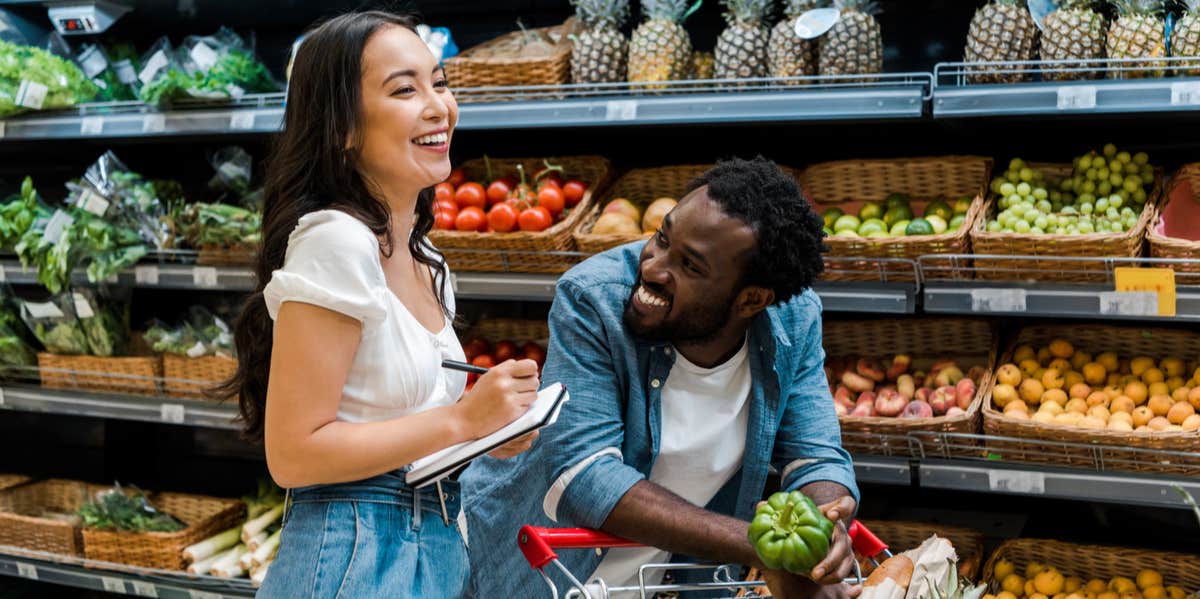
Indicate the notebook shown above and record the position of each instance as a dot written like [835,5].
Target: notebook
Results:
[543,412]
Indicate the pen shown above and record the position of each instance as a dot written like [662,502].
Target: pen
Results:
[463,366]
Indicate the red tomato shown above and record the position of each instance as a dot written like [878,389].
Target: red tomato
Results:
[573,191]
[470,218]
[457,176]
[535,352]
[475,347]
[498,191]
[443,192]
[484,360]
[551,198]
[471,194]
[552,179]
[535,219]
[523,195]
[502,217]
[445,206]
[444,220]
[506,350]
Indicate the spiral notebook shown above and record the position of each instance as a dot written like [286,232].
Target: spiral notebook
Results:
[542,413]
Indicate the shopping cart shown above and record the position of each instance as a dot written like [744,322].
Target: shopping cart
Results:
[538,545]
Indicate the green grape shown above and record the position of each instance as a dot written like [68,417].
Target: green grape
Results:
[1141,158]
[1083,227]
[1132,169]
[1085,163]
[1110,150]
[1139,196]
[1026,174]
[994,227]
[1124,157]
[1044,206]
[1116,179]
[1086,208]
[1024,189]
[1104,188]
[1112,213]
[1115,201]
[1069,210]
[1037,231]
[1022,226]
[1089,187]
[1016,164]
[1099,163]
[1086,198]
[1012,176]
[1008,188]
[1041,222]
[1040,193]
[1132,185]
[1103,174]
[1067,185]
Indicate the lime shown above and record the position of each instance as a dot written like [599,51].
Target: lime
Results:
[962,205]
[846,222]
[828,231]
[897,229]
[846,233]
[870,210]
[896,214]
[831,216]
[872,225]
[956,223]
[896,199]
[938,223]
[878,234]
[939,208]
[919,226]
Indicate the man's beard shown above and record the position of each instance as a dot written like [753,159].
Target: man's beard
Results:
[696,326]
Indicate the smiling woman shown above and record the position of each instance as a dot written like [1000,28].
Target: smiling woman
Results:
[341,345]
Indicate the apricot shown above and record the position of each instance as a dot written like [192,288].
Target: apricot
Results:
[1043,417]
[1077,405]
[1099,412]
[1072,584]
[1153,375]
[1109,361]
[1192,423]
[1154,592]
[1094,373]
[1137,392]
[1121,584]
[1061,348]
[1158,423]
[1180,395]
[1002,394]
[1016,405]
[1139,365]
[1017,415]
[1099,398]
[1159,404]
[1079,359]
[1174,382]
[1055,396]
[1031,390]
[1108,594]
[1072,378]
[1052,379]
[1158,389]
[1068,418]
[1174,592]
[1009,374]
[1122,404]
[1114,378]
[1049,407]
[1060,365]
[1172,366]
[1180,412]
[1114,391]
[1122,416]
[1142,416]
[1024,352]
[1120,426]
[1028,367]
[1194,397]
[1044,355]
[1080,391]
[1090,422]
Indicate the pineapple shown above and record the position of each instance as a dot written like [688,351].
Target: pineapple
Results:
[1001,31]
[1138,33]
[1074,30]
[854,45]
[742,47]
[600,49]
[660,49]
[703,65]
[789,55]
[1185,40]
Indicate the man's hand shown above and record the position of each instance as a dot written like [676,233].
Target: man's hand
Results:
[784,585]
[515,447]
[839,562]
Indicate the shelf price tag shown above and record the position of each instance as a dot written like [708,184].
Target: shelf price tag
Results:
[1,397]
[1129,303]
[113,585]
[91,125]
[194,594]
[1160,281]
[1,129]
[154,123]
[241,120]
[27,571]
[1076,97]
[1,273]
[146,274]
[1017,481]
[1185,93]
[173,413]
[621,110]
[997,300]
[204,276]
[144,589]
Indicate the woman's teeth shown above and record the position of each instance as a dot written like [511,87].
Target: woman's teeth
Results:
[435,139]
[649,299]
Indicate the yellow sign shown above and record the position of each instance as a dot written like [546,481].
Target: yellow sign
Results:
[1158,280]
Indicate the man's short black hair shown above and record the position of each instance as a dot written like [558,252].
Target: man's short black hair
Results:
[787,259]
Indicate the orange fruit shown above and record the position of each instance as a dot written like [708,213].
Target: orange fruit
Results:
[1180,412]
[1109,361]
[1153,375]
[1137,391]
[1122,404]
[1094,374]
[1050,582]
[1061,348]
[1147,578]
[1141,417]
[1160,404]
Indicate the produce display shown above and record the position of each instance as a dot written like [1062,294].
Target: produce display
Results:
[516,201]
[928,572]
[115,509]
[1139,31]
[660,49]
[854,46]
[1106,192]
[19,213]
[1001,31]
[201,334]
[600,51]
[1062,385]
[788,54]
[894,217]
[621,216]
[216,67]
[79,322]
[16,342]
[864,387]
[1039,581]
[34,79]
[248,549]
[790,533]
[1073,30]
[741,51]
[481,352]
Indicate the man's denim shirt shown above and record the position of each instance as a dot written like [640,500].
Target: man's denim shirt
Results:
[608,434]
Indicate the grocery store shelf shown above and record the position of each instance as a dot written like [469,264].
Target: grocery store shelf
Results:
[955,96]
[883,471]
[163,275]
[116,578]
[253,113]
[205,414]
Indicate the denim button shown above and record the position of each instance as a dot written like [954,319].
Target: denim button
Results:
[654,383]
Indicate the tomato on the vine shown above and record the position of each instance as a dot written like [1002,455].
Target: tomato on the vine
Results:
[573,191]
[443,191]
[498,191]
[445,206]
[444,220]
[552,199]
[470,194]
[457,177]
[502,217]
[470,218]
[535,219]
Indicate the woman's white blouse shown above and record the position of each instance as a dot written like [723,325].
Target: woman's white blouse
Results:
[333,261]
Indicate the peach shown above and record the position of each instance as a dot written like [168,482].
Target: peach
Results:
[1051,408]
[923,394]
[1137,392]
[870,369]
[1002,394]
[1031,390]
[1024,352]
[942,398]
[1099,398]
[1174,367]
[1099,412]
[1158,389]
[890,403]
[841,409]
[1054,396]
[948,376]
[1080,391]
[1180,412]
[1060,365]
[1044,355]
[1072,378]
[1009,374]
[965,393]
[1122,404]
[906,386]
[955,411]
[1080,359]
[917,409]
[843,394]
[1159,404]
[865,410]
[1028,367]
[1061,348]
[1158,423]
[1109,361]
[1094,374]
[1052,379]
[899,366]
[1140,365]
[1142,416]
[857,383]
[1077,405]
[1191,423]
[1194,397]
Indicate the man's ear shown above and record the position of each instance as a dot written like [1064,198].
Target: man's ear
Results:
[753,300]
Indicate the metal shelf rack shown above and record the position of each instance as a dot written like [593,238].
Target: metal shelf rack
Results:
[116,578]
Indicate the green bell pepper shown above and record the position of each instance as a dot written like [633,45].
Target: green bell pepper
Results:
[789,532]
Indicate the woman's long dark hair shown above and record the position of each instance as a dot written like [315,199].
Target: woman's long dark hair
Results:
[309,170]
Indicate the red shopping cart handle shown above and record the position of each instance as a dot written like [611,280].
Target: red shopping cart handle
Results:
[864,541]
[538,544]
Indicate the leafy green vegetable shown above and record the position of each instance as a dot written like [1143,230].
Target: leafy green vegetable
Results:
[204,334]
[220,225]
[235,70]
[107,331]
[63,337]
[114,509]
[18,215]
[65,84]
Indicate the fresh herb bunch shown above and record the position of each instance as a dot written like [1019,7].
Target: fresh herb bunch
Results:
[19,214]
[107,330]
[65,337]
[113,509]
[65,83]
[220,225]
[203,334]
[235,68]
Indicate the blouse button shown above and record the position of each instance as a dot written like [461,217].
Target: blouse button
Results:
[655,383]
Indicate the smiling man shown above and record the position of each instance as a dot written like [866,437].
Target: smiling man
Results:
[694,363]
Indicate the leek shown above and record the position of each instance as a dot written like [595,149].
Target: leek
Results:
[205,565]
[230,566]
[260,574]
[259,524]
[212,545]
[268,548]
[254,543]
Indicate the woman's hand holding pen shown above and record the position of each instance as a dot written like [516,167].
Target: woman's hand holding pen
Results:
[499,397]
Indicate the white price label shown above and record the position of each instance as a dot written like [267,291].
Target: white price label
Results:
[1076,97]
[146,274]
[93,202]
[113,585]
[197,350]
[91,125]
[204,276]
[154,123]
[997,300]
[43,310]
[153,65]
[83,308]
[1,396]
[27,571]
[2,275]
[173,413]
[1129,303]
[194,594]
[1,129]
[59,222]
[1185,93]
[125,72]
[1016,481]
[621,110]
[31,94]
[203,56]
[235,91]
[144,589]
[241,120]
[93,61]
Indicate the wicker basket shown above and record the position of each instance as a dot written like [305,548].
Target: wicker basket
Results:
[190,377]
[242,255]
[8,481]
[848,184]
[969,341]
[902,536]
[1125,341]
[204,517]
[1053,247]
[1185,187]
[135,375]
[1095,561]
[524,251]
[23,525]
[516,330]
[479,66]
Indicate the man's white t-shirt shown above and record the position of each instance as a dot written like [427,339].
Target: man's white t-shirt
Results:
[704,416]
